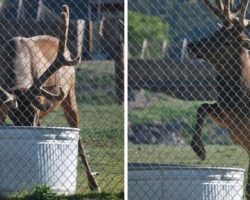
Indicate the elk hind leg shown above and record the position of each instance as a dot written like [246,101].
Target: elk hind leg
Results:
[71,113]
[3,115]
[214,112]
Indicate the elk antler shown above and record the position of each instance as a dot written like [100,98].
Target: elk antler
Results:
[244,22]
[36,89]
[219,4]
[7,99]
[53,97]
[227,12]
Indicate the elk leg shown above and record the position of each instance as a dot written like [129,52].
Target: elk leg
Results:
[72,116]
[215,114]
[3,116]
[91,180]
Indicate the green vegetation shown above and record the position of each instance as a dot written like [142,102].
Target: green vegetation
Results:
[43,192]
[185,19]
[169,109]
[217,155]
[102,129]
[142,27]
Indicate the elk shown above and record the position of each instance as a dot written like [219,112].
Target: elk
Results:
[227,50]
[37,75]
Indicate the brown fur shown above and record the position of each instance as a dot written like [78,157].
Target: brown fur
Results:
[40,52]
[226,50]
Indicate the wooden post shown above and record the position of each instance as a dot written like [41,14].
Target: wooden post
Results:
[80,34]
[144,48]
[164,49]
[39,10]
[119,72]
[89,28]
[111,32]
[90,36]
[20,10]
[187,80]
[183,49]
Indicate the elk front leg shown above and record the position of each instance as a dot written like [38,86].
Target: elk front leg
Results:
[214,112]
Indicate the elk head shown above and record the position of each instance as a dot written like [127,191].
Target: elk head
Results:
[23,105]
[227,43]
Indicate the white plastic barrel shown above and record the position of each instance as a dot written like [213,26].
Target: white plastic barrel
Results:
[173,182]
[32,156]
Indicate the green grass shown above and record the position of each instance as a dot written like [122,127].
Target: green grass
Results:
[217,155]
[169,109]
[96,83]
[42,192]
[102,129]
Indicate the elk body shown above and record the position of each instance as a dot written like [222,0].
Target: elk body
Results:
[36,75]
[24,60]
[227,50]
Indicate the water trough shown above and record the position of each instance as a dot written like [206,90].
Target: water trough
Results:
[177,182]
[32,156]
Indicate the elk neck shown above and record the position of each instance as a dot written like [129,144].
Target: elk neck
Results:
[234,82]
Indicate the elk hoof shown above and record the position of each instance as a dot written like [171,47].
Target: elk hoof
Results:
[199,149]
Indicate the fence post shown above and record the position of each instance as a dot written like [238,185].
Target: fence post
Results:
[111,31]
[20,10]
[144,48]
[164,49]
[119,72]
[90,36]
[80,33]
[183,49]
[39,10]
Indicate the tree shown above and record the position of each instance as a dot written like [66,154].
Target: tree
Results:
[142,26]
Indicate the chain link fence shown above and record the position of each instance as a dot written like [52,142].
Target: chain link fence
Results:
[45,97]
[188,84]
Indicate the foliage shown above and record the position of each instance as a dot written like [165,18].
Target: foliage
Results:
[186,19]
[42,192]
[39,192]
[142,26]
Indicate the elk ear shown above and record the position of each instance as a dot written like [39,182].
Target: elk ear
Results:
[246,44]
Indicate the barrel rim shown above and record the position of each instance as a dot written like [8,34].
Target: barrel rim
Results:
[165,166]
[40,127]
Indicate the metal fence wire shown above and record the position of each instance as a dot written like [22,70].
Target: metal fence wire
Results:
[188,83]
[61,69]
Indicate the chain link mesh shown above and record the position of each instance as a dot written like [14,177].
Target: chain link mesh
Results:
[51,157]
[188,83]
